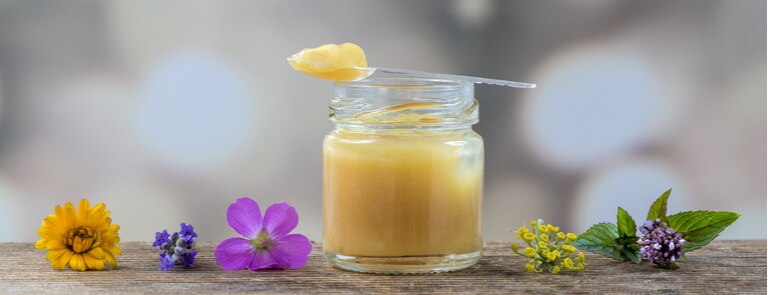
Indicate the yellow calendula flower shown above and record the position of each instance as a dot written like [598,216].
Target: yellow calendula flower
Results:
[81,239]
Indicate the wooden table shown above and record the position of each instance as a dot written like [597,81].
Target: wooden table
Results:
[721,267]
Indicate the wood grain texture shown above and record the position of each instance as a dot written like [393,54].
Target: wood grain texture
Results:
[721,267]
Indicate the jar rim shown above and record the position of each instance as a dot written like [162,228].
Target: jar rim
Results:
[404,103]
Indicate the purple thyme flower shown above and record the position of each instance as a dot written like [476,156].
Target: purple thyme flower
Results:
[166,262]
[160,239]
[189,259]
[187,233]
[661,244]
[267,243]
[177,248]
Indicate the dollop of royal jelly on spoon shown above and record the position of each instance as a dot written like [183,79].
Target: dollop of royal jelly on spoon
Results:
[331,62]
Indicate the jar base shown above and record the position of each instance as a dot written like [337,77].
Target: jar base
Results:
[405,264]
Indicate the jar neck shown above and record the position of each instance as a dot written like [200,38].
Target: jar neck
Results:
[404,104]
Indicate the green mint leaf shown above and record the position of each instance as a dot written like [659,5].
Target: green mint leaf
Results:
[659,208]
[600,239]
[633,254]
[700,227]
[629,248]
[626,224]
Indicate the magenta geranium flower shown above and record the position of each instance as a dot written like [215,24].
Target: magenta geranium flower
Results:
[267,242]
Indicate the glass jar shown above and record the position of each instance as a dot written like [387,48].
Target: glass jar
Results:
[403,176]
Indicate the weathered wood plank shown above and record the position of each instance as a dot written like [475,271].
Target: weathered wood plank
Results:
[722,267]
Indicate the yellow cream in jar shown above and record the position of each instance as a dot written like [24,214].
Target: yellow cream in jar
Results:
[402,194]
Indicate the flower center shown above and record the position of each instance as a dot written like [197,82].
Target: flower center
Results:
[82,239]
[262,242]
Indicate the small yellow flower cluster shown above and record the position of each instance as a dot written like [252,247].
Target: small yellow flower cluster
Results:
[548,249]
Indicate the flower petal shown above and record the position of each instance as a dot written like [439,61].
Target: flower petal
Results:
[62,260]
[262,260]
[55,245]
[82,212]
[280,219]
[98,253]
[54,254]
[77,262]
[111,260]
[244,216]
[234,253]
[70,219]
[292,251]
[92,262]
[41,244]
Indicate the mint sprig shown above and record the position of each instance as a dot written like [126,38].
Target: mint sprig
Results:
[619,241]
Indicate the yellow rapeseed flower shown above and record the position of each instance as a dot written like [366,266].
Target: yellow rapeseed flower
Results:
[560,236]
[552,256]
[546,253]
[568,263]
[530,267]
[530,252]
[543,229]
[81,239]
[529,237]
[581,257]
[579,267]
[552,228]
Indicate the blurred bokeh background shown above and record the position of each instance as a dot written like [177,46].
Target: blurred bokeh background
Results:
[170,110]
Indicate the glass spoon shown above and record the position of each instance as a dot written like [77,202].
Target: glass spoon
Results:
[368,71]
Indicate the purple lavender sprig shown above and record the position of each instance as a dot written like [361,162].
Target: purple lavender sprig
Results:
[177,247]
[660,243]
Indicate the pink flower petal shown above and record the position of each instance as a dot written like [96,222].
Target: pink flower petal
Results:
[280,219]
[244,216]
[291,251]
[234,253]
[262,260]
